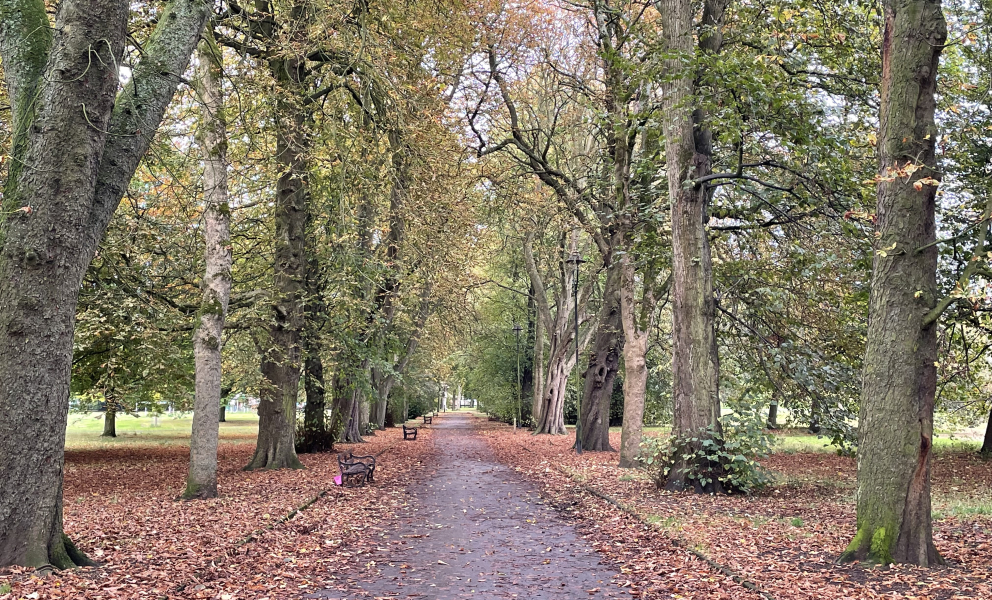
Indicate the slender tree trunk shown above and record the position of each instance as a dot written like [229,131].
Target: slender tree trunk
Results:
[773,414]
[695,368]
[281,365]
[635,374]
[52,218]
[604,364]
[987,444]
[364,410]
[223,414]
[538,368]
[201,482]
[895,429]
[110,421]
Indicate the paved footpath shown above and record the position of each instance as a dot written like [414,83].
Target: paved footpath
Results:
[475,529]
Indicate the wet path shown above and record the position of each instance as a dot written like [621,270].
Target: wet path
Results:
[476,530]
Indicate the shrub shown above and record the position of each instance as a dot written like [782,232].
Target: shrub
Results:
[714,462]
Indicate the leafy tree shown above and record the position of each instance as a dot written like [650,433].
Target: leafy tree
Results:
[65,181]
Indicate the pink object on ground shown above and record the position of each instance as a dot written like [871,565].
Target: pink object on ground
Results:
[337,480]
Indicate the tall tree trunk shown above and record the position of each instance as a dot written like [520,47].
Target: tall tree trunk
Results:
[316,437]
[223,414]
[895,429]
[61,83]
[538,368]
[110,421]
[201,482]
[281,364]
[604,364]
[695,367]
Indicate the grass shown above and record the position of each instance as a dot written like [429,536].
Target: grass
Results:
[798,441]
[961,506]
[84,430]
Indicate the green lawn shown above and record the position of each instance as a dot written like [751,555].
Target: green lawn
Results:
[85,428]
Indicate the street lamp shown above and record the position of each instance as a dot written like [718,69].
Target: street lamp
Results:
[575,260]
[517,329]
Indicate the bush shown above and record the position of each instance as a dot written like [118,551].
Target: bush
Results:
[722,463]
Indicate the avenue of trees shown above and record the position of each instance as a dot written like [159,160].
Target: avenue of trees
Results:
[577,212]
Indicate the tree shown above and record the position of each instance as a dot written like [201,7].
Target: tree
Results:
[549,412]
[689,149]
[895,430]
[202,479]
[76,143]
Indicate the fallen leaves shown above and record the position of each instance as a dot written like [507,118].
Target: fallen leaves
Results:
[121,508]
[783,543]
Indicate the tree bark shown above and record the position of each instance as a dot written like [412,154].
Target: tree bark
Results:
[604,364]
[281,365]
[773,415]
[549,412]
[538,368]
[695,367]
[110,422]
[895,429]
[62,82]
[316,436]
[201,482]
[635,373]
[345,415]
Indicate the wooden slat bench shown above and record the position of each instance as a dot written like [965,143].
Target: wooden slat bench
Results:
[409,433]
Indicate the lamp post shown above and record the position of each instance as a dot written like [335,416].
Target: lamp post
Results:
[575,260]
[517,329]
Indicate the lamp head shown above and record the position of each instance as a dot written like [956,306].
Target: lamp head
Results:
[574,259]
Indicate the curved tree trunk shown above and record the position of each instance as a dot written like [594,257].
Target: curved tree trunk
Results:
[201,482]
[695,367]
[899,383]
[52,218]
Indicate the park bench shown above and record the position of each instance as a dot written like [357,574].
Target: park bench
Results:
[409,433]
[359,469]
[428,419]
